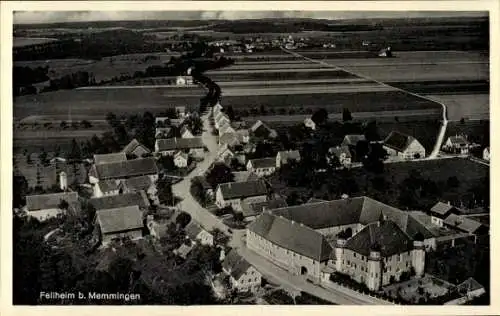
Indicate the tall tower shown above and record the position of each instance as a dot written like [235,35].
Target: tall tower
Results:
[339,254]
[418,258]
[373,280]
[63,180]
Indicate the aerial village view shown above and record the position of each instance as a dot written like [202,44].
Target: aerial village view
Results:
[200,158]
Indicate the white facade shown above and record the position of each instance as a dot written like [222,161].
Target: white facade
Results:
[180,161]
[413,151]
[43,215]
[187,134]
[249,281]
[309,123]
[486,154]
[236,203]
[261,172]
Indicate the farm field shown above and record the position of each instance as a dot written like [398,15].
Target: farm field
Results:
[94,104]
[310,89]
[355,102]
[468,106]
[275,74]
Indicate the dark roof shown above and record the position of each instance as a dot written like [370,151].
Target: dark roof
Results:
[263,163]
[353,139]
[129,168]
[138,183]
[234,190]
[469,285]
[119,219]
[179,143]
[391,239]
[252,209]
[235,264]
[230,139]
[289,155]
[458,140]
[47,201]
[122,200]
[462,223]
[109,158]
[108,185]
[442,209]
[292,236]
[339,150]
[244,176]
[398,141]
[260,129]
[193,229]
[134,143]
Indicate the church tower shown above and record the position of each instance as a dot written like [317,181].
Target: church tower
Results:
[374,278]
[418,258]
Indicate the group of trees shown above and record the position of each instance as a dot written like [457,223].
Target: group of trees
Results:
[23,79]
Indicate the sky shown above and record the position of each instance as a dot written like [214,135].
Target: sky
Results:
[32,17]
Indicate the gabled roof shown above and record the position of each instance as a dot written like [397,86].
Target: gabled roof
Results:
[107,185]
[398,141]
[185,129]
[134,143]
[110,158]
[292,236]
[179,143]
[244,176]
[226,128]
[241,190]
[458,140]
[230,139]
[221,116]
[288,155]
[193,229]
[184,250]
[442,209]
[251,209]
[261,128]
[138,183]
[235,264]
[181,154]
[48,201]
[263,163]
[469,285]
[122,200]
[387,235]
[128,168]
[353,139]
[119,219]
[338,151]
[462,223]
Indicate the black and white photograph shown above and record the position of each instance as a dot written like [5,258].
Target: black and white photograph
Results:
[264,157]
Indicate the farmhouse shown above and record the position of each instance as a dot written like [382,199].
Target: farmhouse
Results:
[185,132]
[170,146]
[351,140]
[243,277]
[486,154]
[250,210]
[283,157]
[464,224]
[123,200]
[261,130]
[370,233]
[244,176]
[46,206]
[109,158]
[440,211]
[229,139]
[196,233]
[403,146]
[243,135]
[221,120]
[309,123]
[457,145]
[163,132]
[340,154]
[134,148]
[225,128]
[106,188]
[140,184]
[181,159]
[471,288]
[233,193]
[262,166]
[119,222]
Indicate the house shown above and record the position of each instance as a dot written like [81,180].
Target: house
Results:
[181,159]
[119,222]
[225,154]
[109,158]
[341,154]
[221,120]
[471,288]
[121,171]
[261,130]
[163,132]
[262,166]
[486,154]
[457,145]
[309,123]
[243,277]
[225,128]
[244,176]
[243,135]
[184,250]
[367,233]
[140,184]
[403,146]
[181,111]
[216,109]
[465,224]
[123,200]
[352,140]
[440,211]
[229,139]
[196,233]
[106,188]
[170,146]
[184,80]
[251,210]
[185,132]
[283,157]
[233,193]
[134,148]
[46,206]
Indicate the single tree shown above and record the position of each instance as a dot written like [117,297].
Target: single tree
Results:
[183,219]
[346,115]
[219,173]
[320,116]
